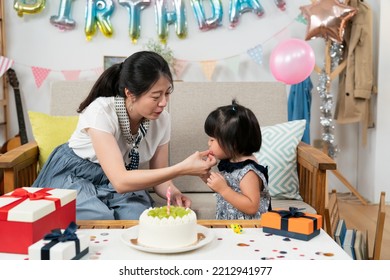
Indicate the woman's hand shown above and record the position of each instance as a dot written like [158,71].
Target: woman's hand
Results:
[198,164]
[181,200]
[177,196]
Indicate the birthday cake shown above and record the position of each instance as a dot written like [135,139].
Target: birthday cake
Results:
[160,228]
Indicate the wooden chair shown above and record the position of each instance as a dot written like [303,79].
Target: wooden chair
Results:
[380,225]
[332,217]
[331,214]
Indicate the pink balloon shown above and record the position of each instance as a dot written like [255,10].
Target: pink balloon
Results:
[292,61]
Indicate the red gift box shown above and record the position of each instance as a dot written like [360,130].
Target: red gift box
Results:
[27,214]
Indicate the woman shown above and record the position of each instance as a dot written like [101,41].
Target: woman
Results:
[122,124]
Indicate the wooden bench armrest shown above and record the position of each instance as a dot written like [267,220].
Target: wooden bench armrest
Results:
[312,166]
[315,157]
[19,166]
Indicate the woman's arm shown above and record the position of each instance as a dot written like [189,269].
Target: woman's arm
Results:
[160,160]
[110,159]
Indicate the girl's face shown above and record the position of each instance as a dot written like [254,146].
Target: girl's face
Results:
[151,104]
[216,149]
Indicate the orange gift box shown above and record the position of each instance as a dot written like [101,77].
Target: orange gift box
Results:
[291,223]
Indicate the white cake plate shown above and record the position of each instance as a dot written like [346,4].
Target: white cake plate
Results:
[130,236]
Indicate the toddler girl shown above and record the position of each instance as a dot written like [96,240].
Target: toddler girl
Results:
[241,185]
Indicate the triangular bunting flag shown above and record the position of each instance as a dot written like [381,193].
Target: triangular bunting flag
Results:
[179,67]
[256,54]
[208,68]
[233,63]
[301,19]
[40,75]
[5,64]
[71,75]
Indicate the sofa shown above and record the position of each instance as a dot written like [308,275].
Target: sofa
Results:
[189,105]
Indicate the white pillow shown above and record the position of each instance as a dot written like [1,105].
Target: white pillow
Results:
[279,152]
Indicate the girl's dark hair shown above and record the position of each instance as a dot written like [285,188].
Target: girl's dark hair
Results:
[236,129]
[138,73]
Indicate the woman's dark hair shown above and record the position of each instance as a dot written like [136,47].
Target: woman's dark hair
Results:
[236,129]
[138,73]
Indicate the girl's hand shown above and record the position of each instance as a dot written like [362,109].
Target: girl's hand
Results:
[204,177]
[217,182]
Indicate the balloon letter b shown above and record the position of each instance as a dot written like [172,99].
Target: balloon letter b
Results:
[292,61]
[29,6]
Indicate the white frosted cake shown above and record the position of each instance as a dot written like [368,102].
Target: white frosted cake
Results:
[160,230]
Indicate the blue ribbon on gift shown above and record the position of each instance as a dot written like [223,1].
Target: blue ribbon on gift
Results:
[57,236]
[293,212]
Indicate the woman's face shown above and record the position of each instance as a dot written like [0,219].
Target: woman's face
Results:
[151,104]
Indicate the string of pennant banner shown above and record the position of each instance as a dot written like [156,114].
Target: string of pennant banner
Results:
[255,53]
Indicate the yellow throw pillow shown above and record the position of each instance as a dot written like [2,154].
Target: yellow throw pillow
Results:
[50,132]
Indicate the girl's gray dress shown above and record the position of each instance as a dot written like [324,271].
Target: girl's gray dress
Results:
[233,173]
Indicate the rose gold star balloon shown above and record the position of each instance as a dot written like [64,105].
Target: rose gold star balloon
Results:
[327,19]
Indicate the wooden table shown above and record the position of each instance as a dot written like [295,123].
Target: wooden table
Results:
[109,240]
[118,224]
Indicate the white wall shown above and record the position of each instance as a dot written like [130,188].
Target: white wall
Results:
[380,152]
[33,41]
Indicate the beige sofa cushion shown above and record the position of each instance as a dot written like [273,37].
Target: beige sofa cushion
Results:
[66,96]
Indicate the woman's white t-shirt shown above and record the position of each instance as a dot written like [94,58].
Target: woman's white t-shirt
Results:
[101,115]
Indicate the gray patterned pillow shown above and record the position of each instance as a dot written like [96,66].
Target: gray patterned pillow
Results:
[279,153]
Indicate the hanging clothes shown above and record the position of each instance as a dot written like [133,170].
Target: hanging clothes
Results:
[299,104]
[356,81]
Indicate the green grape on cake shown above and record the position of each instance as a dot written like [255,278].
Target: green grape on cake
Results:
[162,212]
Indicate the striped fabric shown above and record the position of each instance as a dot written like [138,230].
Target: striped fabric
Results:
[279,153]
[5,64]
